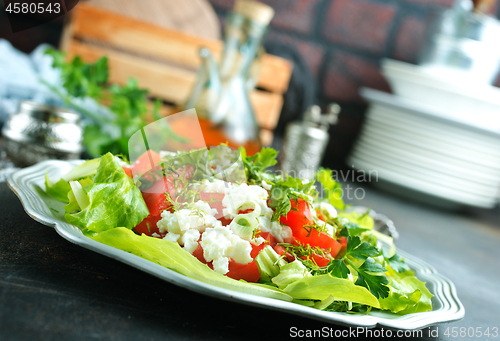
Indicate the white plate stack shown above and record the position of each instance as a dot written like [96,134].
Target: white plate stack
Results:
[434,140]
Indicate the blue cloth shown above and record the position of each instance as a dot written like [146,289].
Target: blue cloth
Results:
[20,80]
[20,76]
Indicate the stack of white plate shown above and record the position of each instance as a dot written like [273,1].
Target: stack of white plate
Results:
[423,151]
[450,92]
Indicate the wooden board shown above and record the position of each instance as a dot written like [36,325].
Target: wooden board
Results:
[195,17]
[141,38]
[165,61]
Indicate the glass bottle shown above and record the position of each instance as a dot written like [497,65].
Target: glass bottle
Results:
[221,92]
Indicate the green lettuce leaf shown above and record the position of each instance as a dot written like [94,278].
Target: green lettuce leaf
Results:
[172,256]
[323,286]
[58,190]
[408,294]
[363,220]
[61,189]
[114,200]
[289,273]
[86,169]
[332,189]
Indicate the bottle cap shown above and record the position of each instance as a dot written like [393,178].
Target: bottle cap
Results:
[255,11]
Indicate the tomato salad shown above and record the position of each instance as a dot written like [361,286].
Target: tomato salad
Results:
[237,220]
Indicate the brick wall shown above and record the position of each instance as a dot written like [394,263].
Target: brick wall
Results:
[342,42]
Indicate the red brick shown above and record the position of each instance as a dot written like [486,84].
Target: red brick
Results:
[312,53]
[294,15]
[340,87]
[359,23]
[445,3]
[410,39]
[347,73]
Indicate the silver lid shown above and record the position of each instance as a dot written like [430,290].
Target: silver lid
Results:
[314,117]
[48,113]
[53,128]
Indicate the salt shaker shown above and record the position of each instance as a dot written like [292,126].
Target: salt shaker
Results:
[305,142]
[38,132]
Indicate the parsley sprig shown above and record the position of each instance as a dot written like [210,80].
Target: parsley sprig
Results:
[128,104]
[370,274]
[287,189]
[256,165]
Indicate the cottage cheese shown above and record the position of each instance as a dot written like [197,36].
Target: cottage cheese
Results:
[219,244]
[324,206]
[178,225]
[239,198]
[282,233]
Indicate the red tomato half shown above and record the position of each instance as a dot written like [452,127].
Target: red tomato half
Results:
[157,201]
[127,171]
[320,260]
[248,272]
[148,225]
[299,217]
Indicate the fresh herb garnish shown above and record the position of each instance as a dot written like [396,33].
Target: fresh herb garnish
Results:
[128,104]
[280,203]
[370,274]
[338,268]
[315,227]
[360,250]
[284,190]
[351,229]
[377,284]
[256,165]
[396,262]
[305,252]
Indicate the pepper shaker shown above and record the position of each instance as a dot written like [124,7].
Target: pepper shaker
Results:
[305,142]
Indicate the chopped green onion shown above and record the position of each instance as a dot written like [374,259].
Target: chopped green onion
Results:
[290,272]
[269,263]
[85,169]
[80,195]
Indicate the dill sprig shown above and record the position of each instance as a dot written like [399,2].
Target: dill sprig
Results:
[304,253]
[315,227]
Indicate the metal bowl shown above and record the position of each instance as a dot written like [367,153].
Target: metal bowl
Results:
[38,132]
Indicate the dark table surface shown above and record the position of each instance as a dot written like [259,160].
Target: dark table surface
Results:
[51,289]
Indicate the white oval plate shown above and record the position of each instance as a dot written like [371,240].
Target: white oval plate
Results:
[26,183]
